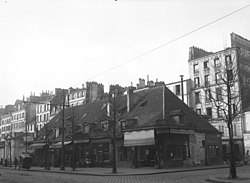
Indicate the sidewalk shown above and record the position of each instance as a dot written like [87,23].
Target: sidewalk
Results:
[96,171]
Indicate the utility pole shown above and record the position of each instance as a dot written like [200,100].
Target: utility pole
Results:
[73,139]
[47,167]
[114,136]
[62,157]
[26,131]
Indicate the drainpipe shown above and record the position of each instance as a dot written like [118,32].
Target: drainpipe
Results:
[182,94]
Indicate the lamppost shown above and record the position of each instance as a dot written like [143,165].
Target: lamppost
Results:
[9,141]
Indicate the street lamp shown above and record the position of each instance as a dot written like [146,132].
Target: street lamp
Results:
[9,141]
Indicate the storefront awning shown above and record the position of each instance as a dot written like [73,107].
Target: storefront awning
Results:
[81,141]
[37,146]
[59,144]
[139,138]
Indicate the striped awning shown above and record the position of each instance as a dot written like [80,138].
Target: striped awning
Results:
[139,138]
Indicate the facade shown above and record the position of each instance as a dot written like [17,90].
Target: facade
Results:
[13,130]
[176,88]
[76,96]
[155,128]
[207,72]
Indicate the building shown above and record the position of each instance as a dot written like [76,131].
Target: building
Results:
[208,73]
[14,134]
[155,128]
[76,96]
[176,88]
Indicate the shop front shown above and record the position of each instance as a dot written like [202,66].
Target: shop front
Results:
[140,147]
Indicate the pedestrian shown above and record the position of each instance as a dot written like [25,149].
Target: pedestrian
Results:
[5,162]
[1,162]
[15,162]
[20,162]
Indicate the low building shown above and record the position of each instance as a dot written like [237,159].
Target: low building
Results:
[153,128]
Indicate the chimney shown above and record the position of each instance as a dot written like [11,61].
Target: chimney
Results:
[129,99]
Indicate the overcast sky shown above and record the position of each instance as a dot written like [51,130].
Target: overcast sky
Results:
[52,44]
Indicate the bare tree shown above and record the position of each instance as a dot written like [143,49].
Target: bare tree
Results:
[225,97]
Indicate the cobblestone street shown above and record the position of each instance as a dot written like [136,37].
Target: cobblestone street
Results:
[15,176]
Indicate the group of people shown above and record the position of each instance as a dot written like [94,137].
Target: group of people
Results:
[6,163]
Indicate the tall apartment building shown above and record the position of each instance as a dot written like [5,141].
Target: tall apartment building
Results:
[205,70]
[76,96]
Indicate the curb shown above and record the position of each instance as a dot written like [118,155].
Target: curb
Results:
[131,174]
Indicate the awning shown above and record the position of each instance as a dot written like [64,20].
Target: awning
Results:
[37,145]
[81,141]
[139,138]
[59,144]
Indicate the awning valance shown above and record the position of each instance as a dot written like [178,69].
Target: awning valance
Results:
[59,144]
[37,146]
[139,138]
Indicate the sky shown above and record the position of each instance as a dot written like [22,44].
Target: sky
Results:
[65,43]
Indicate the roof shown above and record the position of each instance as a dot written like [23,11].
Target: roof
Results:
[148,111]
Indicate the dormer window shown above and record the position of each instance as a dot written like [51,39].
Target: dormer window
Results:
[176,115]
[104,125]
[57,132]
[123,124]
[85,128]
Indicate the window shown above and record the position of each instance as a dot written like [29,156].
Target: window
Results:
[196,68]
[208,95]
[233,108]
[205,64]
[198,111]
[197,98]
[218,94]
[217,77]
[123,124]
[221,129]
[230,75]
[228,60]
[209,112]
[206,80]
[219,112]
[177,90]
[57,132]
[235,129]
[217,63]
[196,82]
[86,128]
[104,125]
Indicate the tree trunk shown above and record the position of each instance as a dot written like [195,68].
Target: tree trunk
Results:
[232,172]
